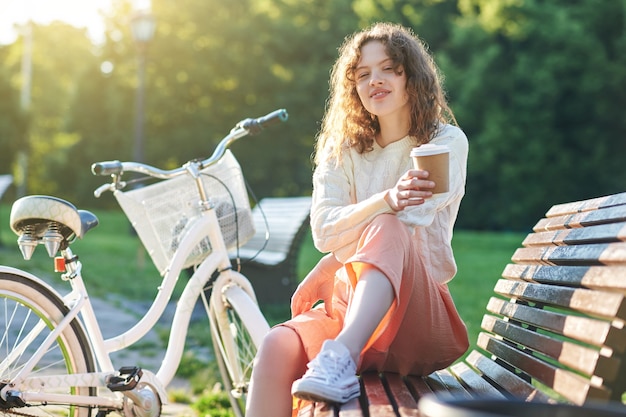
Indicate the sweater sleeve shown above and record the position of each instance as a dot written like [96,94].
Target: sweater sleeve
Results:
[337,220]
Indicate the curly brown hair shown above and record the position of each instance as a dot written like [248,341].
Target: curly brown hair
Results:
[347,124]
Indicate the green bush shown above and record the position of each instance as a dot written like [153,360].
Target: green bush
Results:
[213,404]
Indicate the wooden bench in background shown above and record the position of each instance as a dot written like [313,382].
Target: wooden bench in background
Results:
[269,258]
[553,331]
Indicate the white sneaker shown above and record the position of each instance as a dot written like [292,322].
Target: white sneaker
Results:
[331,376]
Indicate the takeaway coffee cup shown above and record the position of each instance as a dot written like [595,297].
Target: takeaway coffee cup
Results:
[436,160]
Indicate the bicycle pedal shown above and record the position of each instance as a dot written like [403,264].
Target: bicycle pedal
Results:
[126,379]
[13,399]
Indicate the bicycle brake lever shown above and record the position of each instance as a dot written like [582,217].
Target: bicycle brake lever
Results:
[117,185]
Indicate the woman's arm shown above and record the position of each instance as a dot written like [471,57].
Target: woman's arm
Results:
[337,220]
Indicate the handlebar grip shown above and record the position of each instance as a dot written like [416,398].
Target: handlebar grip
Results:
[273,118]
[254,126]
[106,168]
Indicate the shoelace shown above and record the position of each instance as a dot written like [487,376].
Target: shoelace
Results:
[325,366]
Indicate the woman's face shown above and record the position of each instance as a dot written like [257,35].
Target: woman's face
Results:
[380,86]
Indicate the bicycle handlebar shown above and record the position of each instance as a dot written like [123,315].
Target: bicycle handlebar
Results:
[106,168]
[254,126]
[243,128]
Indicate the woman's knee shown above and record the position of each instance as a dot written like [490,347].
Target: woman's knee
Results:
[281,349]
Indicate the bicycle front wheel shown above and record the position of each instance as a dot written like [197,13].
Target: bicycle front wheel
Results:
[29,312]
[237,328]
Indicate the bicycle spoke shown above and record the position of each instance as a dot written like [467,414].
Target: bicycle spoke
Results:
[30,314]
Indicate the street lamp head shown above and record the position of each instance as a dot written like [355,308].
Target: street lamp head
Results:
[143,25]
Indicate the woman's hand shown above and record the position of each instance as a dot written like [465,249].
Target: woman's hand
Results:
[317,285]
[411,190]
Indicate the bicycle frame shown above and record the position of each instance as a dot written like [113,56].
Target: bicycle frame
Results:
[235,321]
[78,302]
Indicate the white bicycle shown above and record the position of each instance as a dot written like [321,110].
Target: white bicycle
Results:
[54,359]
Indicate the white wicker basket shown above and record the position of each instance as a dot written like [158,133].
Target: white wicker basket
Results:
[161,212]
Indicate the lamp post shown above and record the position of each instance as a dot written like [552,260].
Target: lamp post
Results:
[142,27]
[26,30]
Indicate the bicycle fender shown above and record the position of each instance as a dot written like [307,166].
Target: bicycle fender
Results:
[16,271]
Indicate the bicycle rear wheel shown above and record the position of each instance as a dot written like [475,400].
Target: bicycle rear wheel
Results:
[30,311]
[237,328]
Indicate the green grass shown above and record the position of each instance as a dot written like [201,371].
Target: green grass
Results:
[481,258]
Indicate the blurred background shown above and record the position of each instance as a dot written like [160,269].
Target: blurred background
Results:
[538,86]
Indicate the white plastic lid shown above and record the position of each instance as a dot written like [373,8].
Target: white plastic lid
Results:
[429,149]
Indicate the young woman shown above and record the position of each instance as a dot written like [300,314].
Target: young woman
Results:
[386,305]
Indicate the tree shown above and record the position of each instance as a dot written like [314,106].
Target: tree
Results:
[537,86]
[59,55]
[209,66]
[13,122]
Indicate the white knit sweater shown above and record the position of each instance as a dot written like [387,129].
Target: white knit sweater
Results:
[347,197]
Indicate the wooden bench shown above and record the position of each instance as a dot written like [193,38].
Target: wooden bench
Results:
[553,331]
[269,258]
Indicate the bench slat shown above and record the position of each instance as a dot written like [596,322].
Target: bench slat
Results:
[283,217]
[606,233]
[422,386]
[510,382]
[587,205]
[599,303]
[575,356]
[597,254]
[584,219]
[474,382]
[377,396]
[584,329]
[351,409]
[407,406]
[265,257]
[569,385]
[607,278]
[447,382]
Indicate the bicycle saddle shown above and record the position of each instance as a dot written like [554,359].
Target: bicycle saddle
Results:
[49,220]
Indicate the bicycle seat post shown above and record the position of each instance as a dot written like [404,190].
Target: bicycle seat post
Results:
[71,265]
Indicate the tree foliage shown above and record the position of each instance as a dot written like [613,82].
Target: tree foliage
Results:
[13,123]
[537,85]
